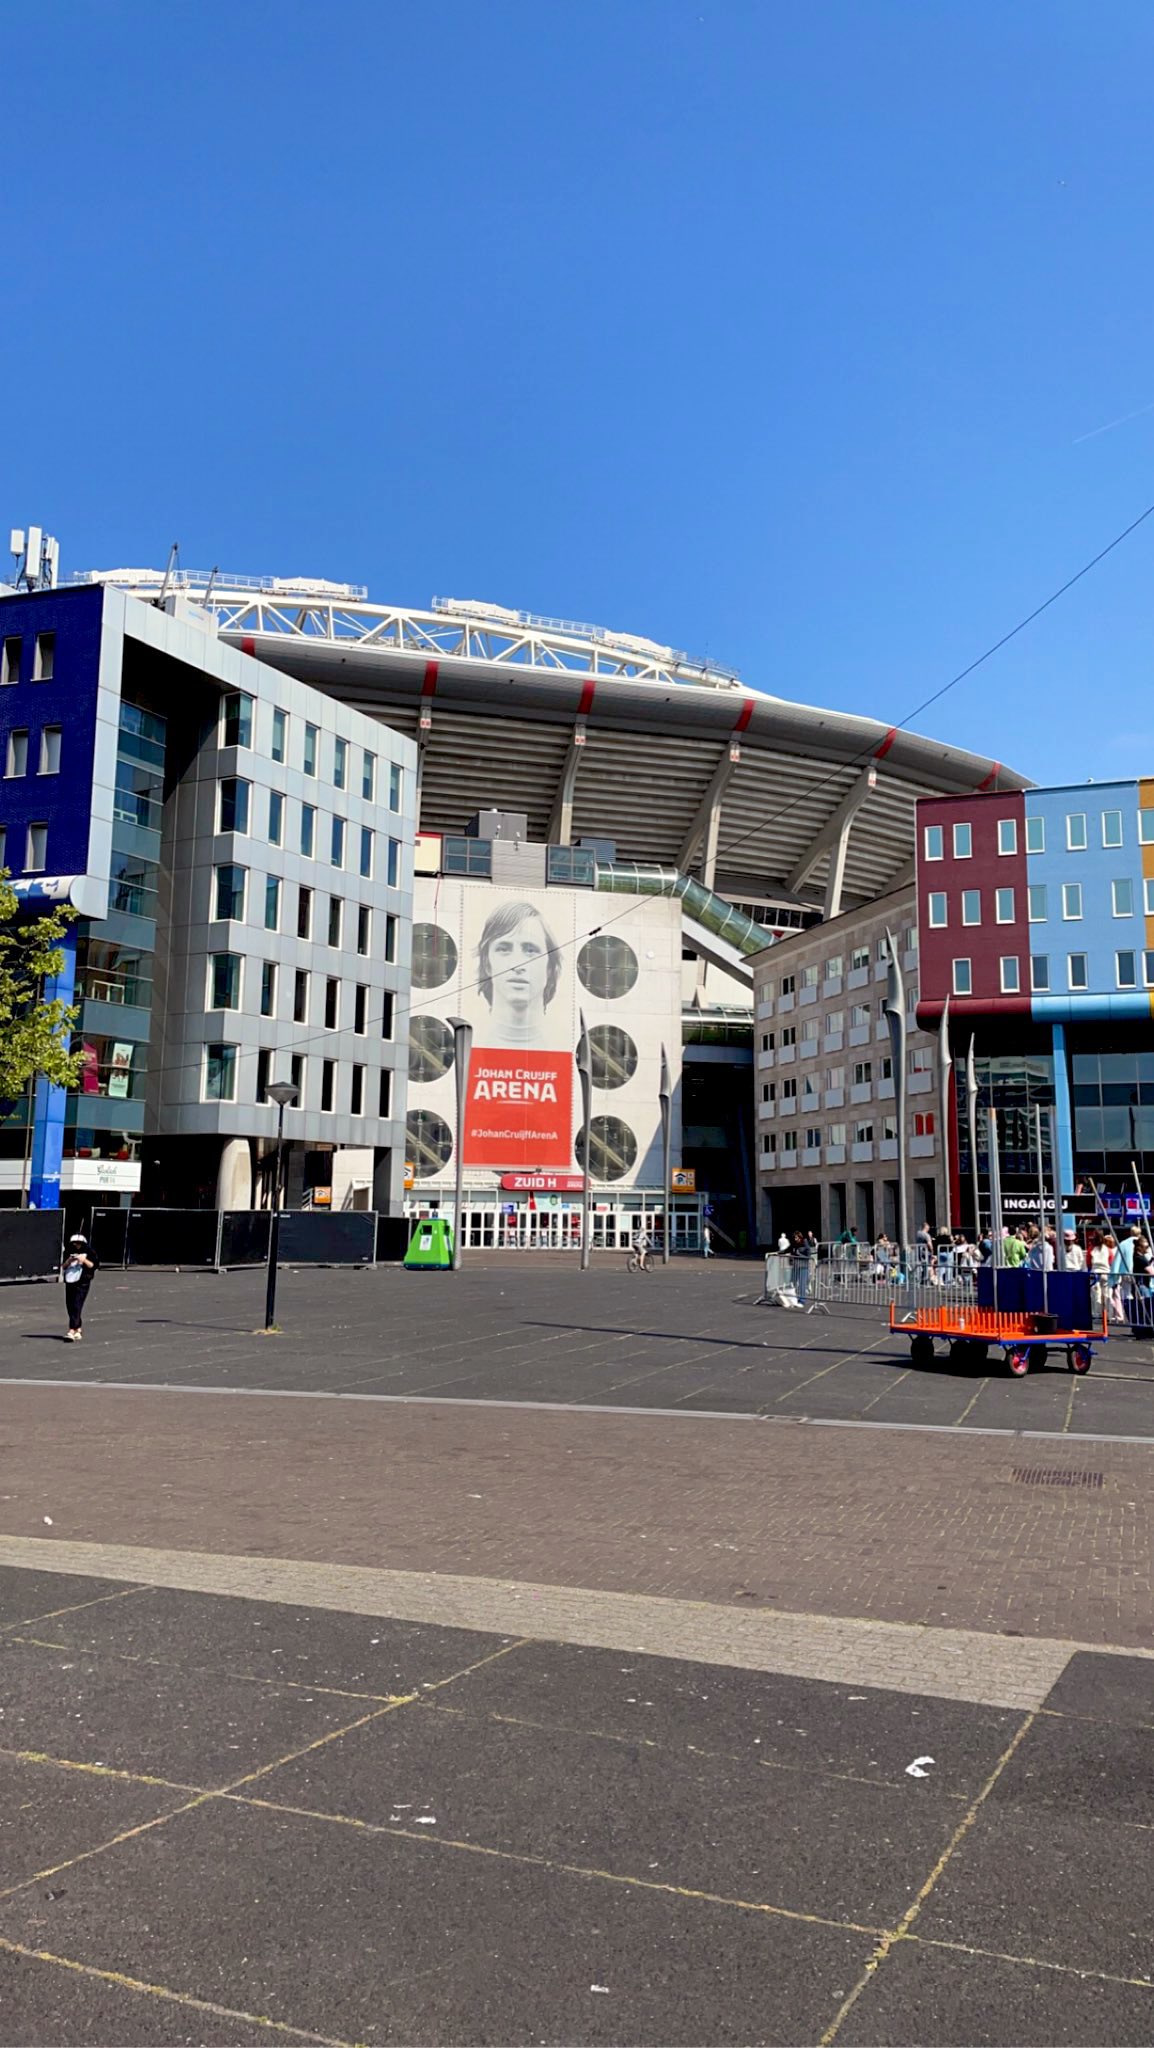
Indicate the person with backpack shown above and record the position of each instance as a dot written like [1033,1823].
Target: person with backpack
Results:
[78,1266]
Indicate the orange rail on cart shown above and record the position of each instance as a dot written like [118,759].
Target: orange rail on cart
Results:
[986,1325]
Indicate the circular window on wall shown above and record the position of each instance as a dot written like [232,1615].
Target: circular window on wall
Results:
[430,1049]
[607,967]
[612,1056]
[612,1148]
[434,956]
[429,1142]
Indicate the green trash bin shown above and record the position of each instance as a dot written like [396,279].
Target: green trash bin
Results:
[431,1244]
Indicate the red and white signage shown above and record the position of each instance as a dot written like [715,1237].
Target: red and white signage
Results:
[542,1183]
[519,1108]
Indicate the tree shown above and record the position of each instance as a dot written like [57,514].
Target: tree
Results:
[34,1034]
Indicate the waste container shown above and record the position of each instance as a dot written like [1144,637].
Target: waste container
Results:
[431,1244]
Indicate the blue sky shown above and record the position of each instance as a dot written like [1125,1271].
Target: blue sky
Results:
[781,332]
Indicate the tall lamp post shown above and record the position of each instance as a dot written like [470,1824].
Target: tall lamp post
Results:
[585,1076]
[664,1096]
[895,1009]
[283,1093]
[462,1054]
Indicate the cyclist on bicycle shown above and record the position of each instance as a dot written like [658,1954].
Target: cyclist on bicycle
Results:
[642,1243]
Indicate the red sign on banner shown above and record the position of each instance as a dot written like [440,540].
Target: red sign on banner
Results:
[542,1183]
[519,1110]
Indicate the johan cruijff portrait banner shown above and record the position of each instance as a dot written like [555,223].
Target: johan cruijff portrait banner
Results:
[519,1110]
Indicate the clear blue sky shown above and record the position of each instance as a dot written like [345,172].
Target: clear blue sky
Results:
[782,332]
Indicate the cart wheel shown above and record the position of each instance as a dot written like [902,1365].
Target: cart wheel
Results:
[1018,1360]
[1037,1357]
[1079,1357]
[921,1350]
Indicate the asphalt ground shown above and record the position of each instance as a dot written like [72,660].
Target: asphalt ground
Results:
[686,1337]
[230,1820]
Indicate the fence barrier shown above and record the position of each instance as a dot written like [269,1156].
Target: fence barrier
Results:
[31,1243]
[211,1240]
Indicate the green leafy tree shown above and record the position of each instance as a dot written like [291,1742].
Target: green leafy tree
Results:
[34,1034]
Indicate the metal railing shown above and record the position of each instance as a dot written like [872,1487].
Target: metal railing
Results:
[828,1277]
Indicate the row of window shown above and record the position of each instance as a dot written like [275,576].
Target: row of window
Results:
[862,1071]
[1077,834]
[832,1025]
[864,1133]
[220,1072]
[833,969]
[234,814]
[1128,965]
[226,992]
[17,752]
[35,848]
[230,898]
[238,713]
[1038,900]
[43,659]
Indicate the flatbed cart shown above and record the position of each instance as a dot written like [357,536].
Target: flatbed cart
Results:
[1026,1339]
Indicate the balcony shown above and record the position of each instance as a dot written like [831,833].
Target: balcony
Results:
[861,1091]
[859,1034]
[808,995]
[786,1055]
[832,988]
[922,1148]
[765,1006]
[767,1109]
[784,1004]
[834,1098]
[786,1160]
[859,1152]
[888,1148]
[811,1156]
[920,1084]
[857,977]
[885,1090]
[835,1155]
[765,1059]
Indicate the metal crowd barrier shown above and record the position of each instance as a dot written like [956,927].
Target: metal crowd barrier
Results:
[833,1276]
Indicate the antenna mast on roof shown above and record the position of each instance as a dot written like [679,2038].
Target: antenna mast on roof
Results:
[173,559]
[37,558]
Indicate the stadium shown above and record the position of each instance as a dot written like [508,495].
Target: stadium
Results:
[752,814]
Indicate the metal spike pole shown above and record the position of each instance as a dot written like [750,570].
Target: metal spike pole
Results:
[585,1076]
[664,1096]
[972,1119]
[895,1009]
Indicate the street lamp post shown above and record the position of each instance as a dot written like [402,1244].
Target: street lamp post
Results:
[283,1093]
[462,1053]
[585,1076]
[664,1096]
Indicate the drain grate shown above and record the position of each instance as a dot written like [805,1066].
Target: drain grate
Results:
[1050,1475]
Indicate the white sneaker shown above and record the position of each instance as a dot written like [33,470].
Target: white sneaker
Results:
[70,1336]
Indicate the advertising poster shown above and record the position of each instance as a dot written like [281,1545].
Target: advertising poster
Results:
[520,1103]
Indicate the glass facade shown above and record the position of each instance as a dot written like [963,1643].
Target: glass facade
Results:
[1113,1095]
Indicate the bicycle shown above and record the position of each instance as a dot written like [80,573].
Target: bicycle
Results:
[637,1262]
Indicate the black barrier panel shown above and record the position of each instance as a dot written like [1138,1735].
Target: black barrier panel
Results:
[30,1243]
[393,1233]
[110,1235]
[172,1237]
[314,1239]
[1019,1290]
[244,1237]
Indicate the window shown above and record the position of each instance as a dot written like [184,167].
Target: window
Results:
[1076,831]
[268,988]
[789,1091]
[789,1034]
[10,660]
[387,1002]
[16,759]
[933,844]
[936,909]
[859,1015]
[1007,835]
[385,1093]
[328,1083]
[1111,828]
[1076,970]
[332,1002]
[340,763]
[886,1069]
[357,1092]
[1126,969]
[1004,906]
[835,1022]
[910,939]
[883,950]
[919,1060]
[924,1124]
[36,851]
[337,843]
[963,842]
[50,750]
[1071,900]
[1040,972]
[390,938]
[789,1141]
[279,735]
[263,1073]
[1035,835]
[275,817]
[297,1077]
[971,906]
[768,1091]
[44,666]
[304,913]
[366,851]
[1148,896]
[1148,969]
[368,776]
[836,1134]
[271,903]
[236,724]
[962,978]
[863,1134]
[360,1009]
[220,1073]
[230,881]
[396,787]
[1011,974]
[1122,897]
[860,957]
[789,984]
[224,981]
[832,970]
[809,976]
[1146,828]
[1036,902]
[889,1129]
[301,996]
[862,1072]
[308,830]
[364,927]
[809,1033]
[233,811]
[336,910]
[312,734]
[812,1140]
[835,1077]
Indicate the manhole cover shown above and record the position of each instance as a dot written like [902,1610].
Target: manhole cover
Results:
[1049,1475]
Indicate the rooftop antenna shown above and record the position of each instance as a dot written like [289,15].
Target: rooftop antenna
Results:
[37,558]
[173,559]
[212,576]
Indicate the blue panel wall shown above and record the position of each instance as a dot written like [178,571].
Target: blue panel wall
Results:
[1099,934]
[62,801]
[51,1103]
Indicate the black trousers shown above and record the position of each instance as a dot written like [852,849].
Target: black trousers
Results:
[76,1294]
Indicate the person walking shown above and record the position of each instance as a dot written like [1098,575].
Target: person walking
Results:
[706,1242]
[1075,1256]
[1013,1249]
[78,1266]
